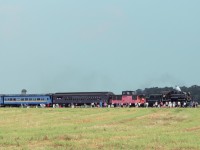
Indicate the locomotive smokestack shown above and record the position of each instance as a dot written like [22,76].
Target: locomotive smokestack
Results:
[178,88]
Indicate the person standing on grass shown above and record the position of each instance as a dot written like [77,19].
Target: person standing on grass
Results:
[184,104]
[136,105]
[179,104]
[196,104]
[170,104]
[147,104]
[156,104]
[105,104]
[100,104]
[173,105]
[166,104]
[139,104]
[161,104]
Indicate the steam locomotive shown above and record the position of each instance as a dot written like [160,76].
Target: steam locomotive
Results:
[169,96]
[130,98]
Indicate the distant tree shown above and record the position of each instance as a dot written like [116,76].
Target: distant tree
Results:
[139,91]
[23,91]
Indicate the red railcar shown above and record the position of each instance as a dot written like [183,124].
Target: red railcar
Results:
[128,98]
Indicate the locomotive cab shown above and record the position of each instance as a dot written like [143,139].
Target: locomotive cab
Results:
[128,98]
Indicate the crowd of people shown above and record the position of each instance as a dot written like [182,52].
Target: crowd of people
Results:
[191,104]
[137,105]
[176,104]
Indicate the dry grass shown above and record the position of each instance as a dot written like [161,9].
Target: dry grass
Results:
[120,128]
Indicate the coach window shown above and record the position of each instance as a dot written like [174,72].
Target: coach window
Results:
[22,99]
[26,99]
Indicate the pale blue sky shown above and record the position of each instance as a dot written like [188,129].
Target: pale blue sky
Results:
[88,45]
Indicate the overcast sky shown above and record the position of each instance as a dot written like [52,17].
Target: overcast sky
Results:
[90,45]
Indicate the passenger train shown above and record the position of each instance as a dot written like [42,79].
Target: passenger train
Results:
[130,98]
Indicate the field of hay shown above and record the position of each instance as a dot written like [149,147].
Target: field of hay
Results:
[95,128]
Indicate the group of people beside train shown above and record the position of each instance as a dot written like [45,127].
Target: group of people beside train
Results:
[174,104]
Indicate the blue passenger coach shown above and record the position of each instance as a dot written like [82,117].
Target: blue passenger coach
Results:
[27,99]
[1,100]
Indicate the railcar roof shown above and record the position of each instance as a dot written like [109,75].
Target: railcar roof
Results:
[24,95]
[85,93]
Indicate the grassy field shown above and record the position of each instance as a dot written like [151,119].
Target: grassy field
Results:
[94,128]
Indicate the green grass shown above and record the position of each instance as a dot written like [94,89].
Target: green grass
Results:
[94,128]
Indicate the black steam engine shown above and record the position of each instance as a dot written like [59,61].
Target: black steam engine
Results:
[169,96]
